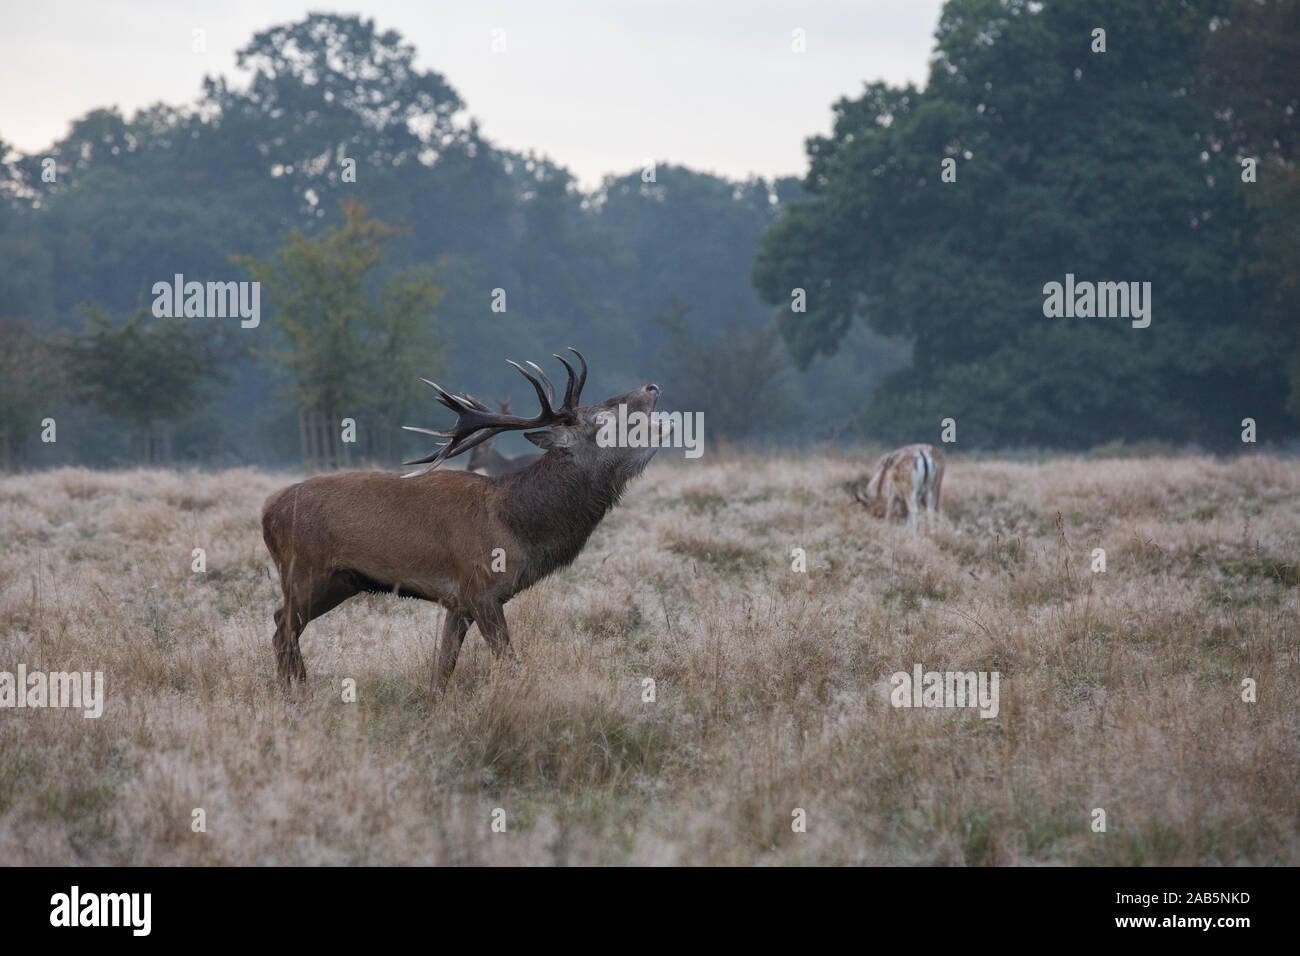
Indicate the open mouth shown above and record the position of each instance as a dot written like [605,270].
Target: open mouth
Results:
[665,424]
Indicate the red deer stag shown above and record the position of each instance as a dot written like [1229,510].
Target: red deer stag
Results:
[911,475]
[467,542]
[491,462]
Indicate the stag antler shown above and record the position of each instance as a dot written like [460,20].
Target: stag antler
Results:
[476,424]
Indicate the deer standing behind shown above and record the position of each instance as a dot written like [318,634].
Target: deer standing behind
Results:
[486,459]
[911,475]
[465,541]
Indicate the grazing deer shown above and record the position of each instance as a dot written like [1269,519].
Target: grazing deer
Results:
[912,475]
[487,459]
[465,541]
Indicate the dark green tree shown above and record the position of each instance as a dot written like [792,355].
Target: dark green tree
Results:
[1248,79]
[29,388]
[1067,161]
[146,372]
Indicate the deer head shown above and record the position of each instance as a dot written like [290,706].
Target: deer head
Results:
[567,430]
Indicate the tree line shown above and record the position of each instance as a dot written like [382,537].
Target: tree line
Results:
[394,241]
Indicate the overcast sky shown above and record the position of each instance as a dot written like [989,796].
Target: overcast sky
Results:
[597,86]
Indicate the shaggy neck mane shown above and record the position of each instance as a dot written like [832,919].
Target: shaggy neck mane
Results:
[555,506]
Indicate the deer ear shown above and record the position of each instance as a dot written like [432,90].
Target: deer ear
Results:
[549,438]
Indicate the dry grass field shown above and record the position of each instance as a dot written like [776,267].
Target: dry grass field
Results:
[1120,691]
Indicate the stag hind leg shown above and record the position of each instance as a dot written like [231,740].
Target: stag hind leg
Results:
[454,628]
[289,665]
[304,600]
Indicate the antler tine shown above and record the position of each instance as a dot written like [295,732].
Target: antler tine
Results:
[474,401]
[537,386]
[450,449]
[432,461]
[455,403]
[542,375]
[568,389]
[429,462]
[573,392]
[424,470]
[582,379]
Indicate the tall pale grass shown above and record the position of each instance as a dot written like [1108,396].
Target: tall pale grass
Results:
[1120,691]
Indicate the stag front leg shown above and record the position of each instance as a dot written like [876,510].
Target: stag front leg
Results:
[454,628]
[491,620]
